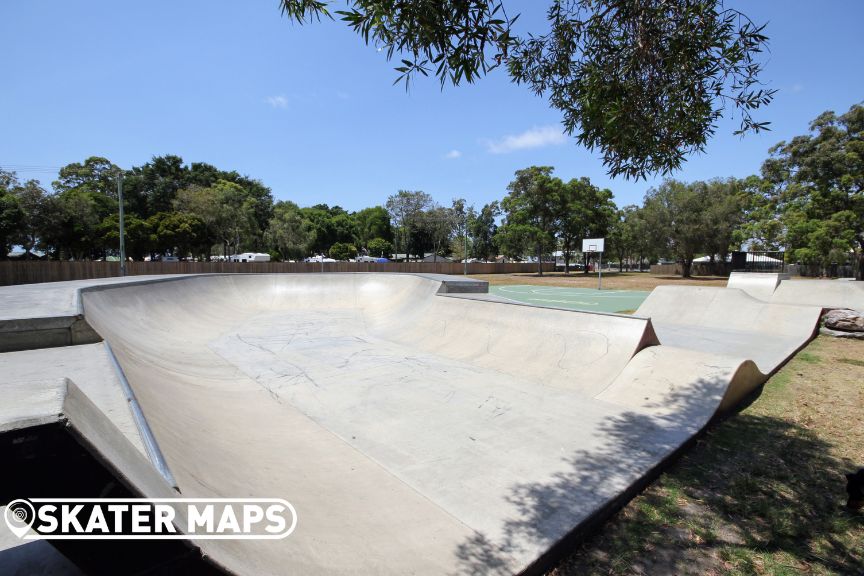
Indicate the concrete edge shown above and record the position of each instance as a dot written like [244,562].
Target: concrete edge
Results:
[48,408]
[589,526]
[744,385]
[45,332]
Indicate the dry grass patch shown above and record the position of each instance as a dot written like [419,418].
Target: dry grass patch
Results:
[761,493]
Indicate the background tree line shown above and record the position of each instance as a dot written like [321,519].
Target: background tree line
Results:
[808,201]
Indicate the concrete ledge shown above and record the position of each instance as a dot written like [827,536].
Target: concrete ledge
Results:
[35,333]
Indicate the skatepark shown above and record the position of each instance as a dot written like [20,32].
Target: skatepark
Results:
[417,423]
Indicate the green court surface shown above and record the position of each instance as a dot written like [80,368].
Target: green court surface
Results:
[573,298]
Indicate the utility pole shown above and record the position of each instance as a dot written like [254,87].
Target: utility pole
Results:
[122,224]
[404,231]
[465,258]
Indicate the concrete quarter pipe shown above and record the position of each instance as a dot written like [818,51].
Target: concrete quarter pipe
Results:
[415,429]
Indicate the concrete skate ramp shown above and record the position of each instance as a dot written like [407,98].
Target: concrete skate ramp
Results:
[729,322]
[822,293]
[780,289]
[414,430]
[760,285]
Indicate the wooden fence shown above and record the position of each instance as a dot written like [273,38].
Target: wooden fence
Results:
[36,272]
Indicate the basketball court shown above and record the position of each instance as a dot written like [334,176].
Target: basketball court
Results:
[573,298]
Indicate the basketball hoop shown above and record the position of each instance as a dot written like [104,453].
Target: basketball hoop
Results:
[596,246]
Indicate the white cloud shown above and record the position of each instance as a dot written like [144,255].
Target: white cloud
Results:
[796,88]
[342,95]
[536,137]
[279,101]
[453,154]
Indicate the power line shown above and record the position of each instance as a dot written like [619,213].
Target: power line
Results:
[30,167]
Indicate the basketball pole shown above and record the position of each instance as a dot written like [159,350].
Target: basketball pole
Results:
[600,272]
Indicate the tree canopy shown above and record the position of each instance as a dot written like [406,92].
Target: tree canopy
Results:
[815,183]
[645,83]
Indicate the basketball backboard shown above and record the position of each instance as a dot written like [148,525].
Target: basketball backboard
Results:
[593,244]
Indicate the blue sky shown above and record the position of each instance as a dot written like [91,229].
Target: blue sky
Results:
[312,112]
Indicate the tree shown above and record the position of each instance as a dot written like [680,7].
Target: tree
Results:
[723,216]
[457,248]
[645,82]
[406,208]
[341,251]
[239,226]
[138,235]
[761,228]
[258,202]
[180,233]
[344,228]
[460,217]
[96,175]
[321,223]
[153,187]
[620,238]
[438,224]
[513,239]
[644,242]
[676,211]
[818,189]
[33,205]
[379,247]
[373,223]
[76,215]
[582,210]
[226,210]
[482,228]
[10,218]
[531,207]
[85,194]
[10,213]
[202,204]
[288,233]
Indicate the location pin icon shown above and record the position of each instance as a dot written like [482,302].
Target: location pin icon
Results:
[19,517]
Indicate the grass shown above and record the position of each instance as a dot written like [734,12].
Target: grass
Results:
[808,358]
[762,492]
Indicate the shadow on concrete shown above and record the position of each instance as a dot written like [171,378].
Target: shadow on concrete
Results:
[762,483]
[596,482]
